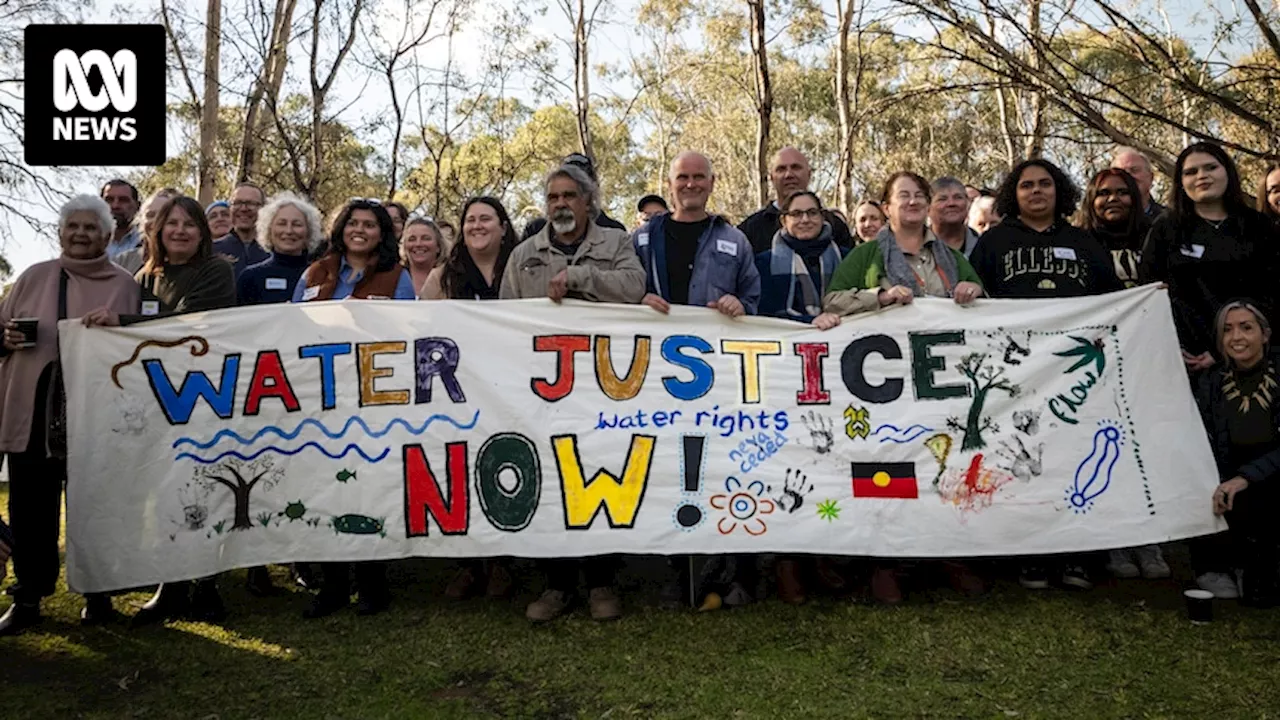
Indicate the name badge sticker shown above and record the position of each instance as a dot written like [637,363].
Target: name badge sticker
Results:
[1195,251]
[310,293]
[642,239]
[277,284]
[150,307]
[1062,253]
[727,247]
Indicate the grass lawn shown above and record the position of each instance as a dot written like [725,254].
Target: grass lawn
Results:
[1124,650]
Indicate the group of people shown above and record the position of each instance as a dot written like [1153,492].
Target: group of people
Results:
[125,260]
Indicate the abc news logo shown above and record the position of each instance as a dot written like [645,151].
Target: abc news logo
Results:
[95,95]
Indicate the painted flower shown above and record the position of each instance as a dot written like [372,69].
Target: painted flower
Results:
[742,507]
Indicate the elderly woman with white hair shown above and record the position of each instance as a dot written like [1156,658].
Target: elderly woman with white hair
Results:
[290,229]
[32,404]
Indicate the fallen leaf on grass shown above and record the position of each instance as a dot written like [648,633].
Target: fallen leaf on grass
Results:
[127,680]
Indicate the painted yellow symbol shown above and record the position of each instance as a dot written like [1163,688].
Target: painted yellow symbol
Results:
[881,479]
[857,422]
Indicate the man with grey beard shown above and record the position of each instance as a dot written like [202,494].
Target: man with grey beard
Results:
[574,257]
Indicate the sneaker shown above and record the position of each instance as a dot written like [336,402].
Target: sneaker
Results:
[325,604]
[737,596]
[19,617]
[605,604]
[1033,577]
[98,610]
[1120,564]
[461,586]
[1075,576]
[963,579]
[1151,560]
[1221,585]
[550,606]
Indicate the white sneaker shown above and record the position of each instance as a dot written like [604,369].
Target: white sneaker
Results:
[1120,564]
[1220,584]
[1152,562]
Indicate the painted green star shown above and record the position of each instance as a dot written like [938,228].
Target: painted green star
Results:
[828,510]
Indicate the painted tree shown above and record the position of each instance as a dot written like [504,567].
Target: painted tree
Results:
[241,478]
[983,378]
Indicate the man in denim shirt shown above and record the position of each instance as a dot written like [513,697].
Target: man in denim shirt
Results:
[691,257]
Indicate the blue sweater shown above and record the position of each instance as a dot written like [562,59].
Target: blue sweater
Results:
[271,281]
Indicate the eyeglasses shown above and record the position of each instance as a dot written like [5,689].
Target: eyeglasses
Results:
[814,213]
[245,204]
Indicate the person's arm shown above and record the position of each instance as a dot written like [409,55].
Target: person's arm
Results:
[849,293]
[965,269]
[214,288]
[508,289]
[404,286]
[431,289]
[623,282]
[748,280]
[1154,264]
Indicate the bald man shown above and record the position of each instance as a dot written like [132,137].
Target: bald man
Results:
[1137,165]
[692,257]
[790,172]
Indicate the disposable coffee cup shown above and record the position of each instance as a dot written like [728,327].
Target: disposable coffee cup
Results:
[27,326]
[1199,606]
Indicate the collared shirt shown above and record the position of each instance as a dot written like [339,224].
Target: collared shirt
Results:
[129,241]
[242,254]
[349,277]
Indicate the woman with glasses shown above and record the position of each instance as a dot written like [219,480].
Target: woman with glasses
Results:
[1210,247]
[399,216]
[868,219]
[905,261]
[1112,214]
[421,251]
[796,270]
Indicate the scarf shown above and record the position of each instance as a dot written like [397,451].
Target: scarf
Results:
[91,284]
[790,256]
[900,273]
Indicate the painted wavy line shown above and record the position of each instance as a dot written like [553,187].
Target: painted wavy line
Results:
[201,347]
[272,448]
[353,420]
[905,435]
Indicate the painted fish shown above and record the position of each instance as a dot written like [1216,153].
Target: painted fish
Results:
[345,475]
[352,524]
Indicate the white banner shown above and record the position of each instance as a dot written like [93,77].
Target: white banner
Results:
[363,430]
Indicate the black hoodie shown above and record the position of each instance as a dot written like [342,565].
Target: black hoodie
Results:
[1015,261]
[1206,265]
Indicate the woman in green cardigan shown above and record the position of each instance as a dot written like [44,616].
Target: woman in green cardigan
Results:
[905,261]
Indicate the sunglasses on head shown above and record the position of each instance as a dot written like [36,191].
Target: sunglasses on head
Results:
[370,201]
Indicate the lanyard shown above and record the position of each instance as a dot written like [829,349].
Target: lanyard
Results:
[946,284]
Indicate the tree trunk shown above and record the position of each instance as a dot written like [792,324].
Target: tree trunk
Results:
[266,88]
[241,495]
[844,165]
[973,425]
[764,100]
[1034,147]
[582,79]
[209,114]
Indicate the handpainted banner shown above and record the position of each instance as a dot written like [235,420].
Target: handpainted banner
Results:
[363,430]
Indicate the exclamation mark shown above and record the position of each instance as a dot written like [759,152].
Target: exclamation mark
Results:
[689,514]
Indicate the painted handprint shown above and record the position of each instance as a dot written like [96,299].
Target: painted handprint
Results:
[820,431]
[795,487]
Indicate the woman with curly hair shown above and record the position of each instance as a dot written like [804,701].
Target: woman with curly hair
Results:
[289,228]
[1034,252]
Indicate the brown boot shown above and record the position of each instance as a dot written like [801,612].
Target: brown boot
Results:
[884,586]
[461,586]
[550,606]
[963,579]
[500,581]
[605,604]
[790,586]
